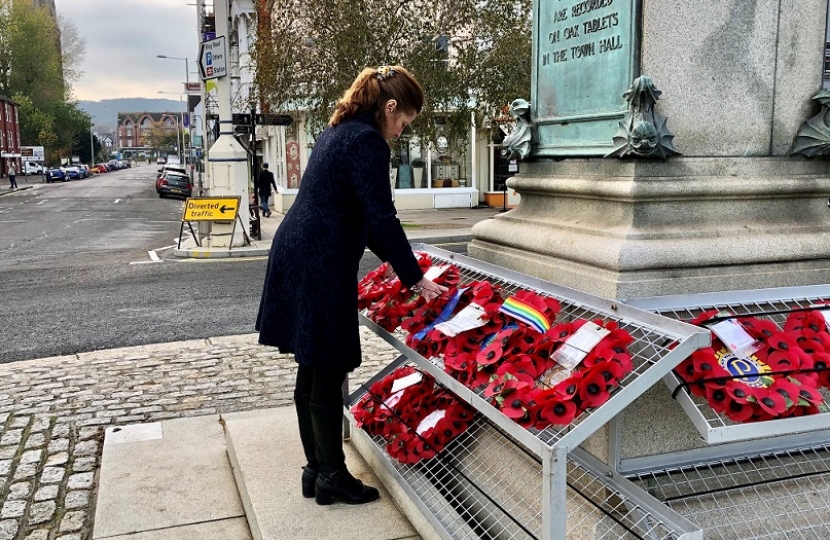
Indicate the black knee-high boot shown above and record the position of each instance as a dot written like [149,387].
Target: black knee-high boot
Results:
[301,404]
[335,481]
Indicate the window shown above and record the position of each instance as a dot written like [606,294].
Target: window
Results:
[129,142]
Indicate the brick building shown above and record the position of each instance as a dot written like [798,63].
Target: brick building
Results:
[9,136]
[133,128]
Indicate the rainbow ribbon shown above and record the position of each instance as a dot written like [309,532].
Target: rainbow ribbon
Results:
[525,313]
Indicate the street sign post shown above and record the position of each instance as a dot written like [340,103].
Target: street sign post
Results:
[212,59]
[216,209]
[211,208]
[274,119]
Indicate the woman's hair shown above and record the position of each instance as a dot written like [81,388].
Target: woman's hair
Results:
[373,88]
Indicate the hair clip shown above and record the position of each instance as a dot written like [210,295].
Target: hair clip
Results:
[384,72]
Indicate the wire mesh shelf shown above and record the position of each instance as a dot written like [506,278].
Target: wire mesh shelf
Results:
[483,485]
[771,304]
[659,345]
[501,480]
[776,496]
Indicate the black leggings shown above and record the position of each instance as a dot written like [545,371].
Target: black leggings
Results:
[324,387]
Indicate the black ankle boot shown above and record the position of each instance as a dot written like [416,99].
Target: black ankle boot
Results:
[309,480]
[334,480]
[339,484]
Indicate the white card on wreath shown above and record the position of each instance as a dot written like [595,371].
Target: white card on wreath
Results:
[435,272]
[407,381]
[577,347]
[466,319]
[733,335]
[430,421]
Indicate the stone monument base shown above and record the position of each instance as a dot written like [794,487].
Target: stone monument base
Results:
[627,229]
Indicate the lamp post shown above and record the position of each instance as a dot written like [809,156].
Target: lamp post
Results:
[187,84]
[179,127]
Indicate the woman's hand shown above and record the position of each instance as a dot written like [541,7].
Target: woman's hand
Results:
[428,289]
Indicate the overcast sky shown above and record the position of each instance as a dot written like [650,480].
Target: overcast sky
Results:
[123,38]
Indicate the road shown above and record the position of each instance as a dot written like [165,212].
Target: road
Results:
[75,274]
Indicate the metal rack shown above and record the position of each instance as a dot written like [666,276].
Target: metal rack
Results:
[772,304]
[500,480]
[763,480]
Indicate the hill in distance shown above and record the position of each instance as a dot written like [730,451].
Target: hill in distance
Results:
[105,112]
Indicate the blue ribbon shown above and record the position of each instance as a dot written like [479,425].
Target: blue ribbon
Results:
[443,316]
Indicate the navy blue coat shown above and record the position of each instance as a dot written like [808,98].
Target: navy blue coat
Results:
[309,301]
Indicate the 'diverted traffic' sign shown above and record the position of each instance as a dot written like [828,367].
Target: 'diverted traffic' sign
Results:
[211,208]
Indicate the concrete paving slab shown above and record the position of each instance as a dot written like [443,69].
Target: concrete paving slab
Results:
[266,456]
[183,478]
[224,529]
[133,433]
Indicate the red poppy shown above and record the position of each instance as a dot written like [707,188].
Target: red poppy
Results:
[738,412]
[718,398]
[703,317]
[821,362]
[771,402]
[592,390]
[560,412]
[739,392]
[758,328]
[810,395]
[611,373]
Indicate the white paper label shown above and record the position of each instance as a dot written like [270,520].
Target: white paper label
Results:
[430,421]
[577,347]
[393,400]
[466,319]
[733,335]
[435,272]
[406,382]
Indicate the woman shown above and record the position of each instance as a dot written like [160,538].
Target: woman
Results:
[309,301]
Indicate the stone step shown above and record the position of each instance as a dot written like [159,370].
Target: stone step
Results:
[168,480]
[267,457]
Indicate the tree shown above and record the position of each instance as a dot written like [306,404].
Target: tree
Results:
[73,50]
[160,136]
[30,61]
[469,55]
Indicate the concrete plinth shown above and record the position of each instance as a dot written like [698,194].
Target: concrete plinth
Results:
[626,229]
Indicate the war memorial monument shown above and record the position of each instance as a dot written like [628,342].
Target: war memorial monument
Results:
[608,206]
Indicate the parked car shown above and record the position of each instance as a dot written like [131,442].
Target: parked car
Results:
[72,173]
[56,173]
[102,168]
[85,170]
[175,169]
[29,167]
[175,184]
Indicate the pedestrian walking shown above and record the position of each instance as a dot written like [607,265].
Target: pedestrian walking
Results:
[309,300]
[265,181]
[12,173]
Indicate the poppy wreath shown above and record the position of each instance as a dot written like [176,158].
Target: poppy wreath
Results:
[388,302]
[414,440]
[430,342]
[377,414]
[521,359]
[781,379]
[463,358]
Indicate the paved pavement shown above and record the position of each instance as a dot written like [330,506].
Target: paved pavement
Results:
[53,411]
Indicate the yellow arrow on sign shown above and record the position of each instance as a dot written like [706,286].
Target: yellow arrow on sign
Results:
[211,208]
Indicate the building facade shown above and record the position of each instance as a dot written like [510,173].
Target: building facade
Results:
[9,135]
[133,135]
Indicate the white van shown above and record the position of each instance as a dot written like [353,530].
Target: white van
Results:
[30,167]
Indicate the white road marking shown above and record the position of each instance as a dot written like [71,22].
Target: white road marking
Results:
[116,201]
[154,256]
[43,201]
[146,262]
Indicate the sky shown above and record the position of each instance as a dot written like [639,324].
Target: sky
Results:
[123,38]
